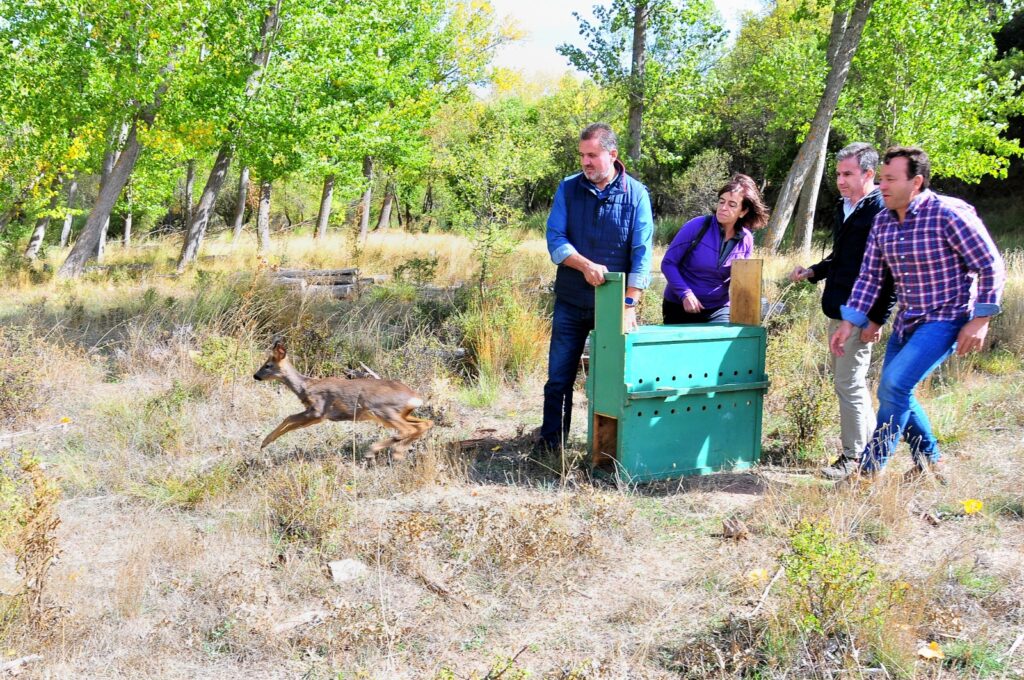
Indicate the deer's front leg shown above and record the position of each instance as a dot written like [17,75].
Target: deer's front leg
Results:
[304,419]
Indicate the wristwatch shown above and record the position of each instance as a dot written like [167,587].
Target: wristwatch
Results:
[631,302]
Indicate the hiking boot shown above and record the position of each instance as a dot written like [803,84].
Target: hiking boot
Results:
[937,470]
[841,469]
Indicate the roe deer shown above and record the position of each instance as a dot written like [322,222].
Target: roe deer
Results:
[386,401]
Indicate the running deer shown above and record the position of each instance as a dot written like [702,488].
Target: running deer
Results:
[387,402]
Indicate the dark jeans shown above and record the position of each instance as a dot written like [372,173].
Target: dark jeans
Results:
[673,313]
[569,328]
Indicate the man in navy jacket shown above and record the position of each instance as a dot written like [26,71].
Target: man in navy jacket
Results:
[600,221]
[855,213]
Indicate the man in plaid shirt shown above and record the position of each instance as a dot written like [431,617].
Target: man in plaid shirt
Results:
[949,280]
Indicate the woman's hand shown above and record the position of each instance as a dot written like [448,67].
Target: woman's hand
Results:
[691,304]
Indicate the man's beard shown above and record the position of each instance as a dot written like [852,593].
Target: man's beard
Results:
[596,176]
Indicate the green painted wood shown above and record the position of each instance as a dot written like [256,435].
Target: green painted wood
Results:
[687,399]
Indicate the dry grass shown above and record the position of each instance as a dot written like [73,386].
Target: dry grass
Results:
[187,552]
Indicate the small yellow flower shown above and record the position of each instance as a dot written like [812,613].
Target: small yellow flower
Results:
[931,651]
[972,505]
[65,420]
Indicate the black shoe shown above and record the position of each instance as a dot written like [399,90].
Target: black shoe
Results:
[841,469]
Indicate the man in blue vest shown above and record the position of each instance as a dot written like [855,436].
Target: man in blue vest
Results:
[600,221]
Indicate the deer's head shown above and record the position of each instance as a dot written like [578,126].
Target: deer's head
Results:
[271,368]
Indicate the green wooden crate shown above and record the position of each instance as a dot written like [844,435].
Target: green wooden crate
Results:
[667,401]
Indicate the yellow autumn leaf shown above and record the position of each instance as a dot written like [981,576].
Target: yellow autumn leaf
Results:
[931,651]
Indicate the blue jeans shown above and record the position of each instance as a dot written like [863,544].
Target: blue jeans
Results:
[569,328]
[908,361]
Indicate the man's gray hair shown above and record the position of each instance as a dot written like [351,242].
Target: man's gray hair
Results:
[605,135]
[867,157]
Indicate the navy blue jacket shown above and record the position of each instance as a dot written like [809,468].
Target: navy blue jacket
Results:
[613,227]
[841,267]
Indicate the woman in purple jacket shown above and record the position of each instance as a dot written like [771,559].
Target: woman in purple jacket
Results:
[698,264]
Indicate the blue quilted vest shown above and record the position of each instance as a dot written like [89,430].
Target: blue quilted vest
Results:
[601,230]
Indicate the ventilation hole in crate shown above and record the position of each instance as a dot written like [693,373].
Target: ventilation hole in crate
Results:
[719,374]
[703,408]
[639,414]
[719,407]
[748,402]
[691,375]
[688,409]
[641,381]
[750,372]
[735,372]
[673,378]
[734,404]
[673,412]
[705,375]
[655,413]
[656,379]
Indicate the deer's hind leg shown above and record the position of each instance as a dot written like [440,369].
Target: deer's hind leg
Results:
[293,422]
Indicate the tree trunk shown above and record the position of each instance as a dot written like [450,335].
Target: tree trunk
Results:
[243,193]
[846,31]
[190,183]
[65,232]
[89,240]
[39,233]
[263,218]
[384,221]
[128,228]
[260,58]
[641,14]
[809,202]
[109,158]
[364,221]
[197,226]
[324,215]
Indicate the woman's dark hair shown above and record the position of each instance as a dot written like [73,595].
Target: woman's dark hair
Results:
[757,211]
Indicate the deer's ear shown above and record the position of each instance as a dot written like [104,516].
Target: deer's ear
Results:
[278,351]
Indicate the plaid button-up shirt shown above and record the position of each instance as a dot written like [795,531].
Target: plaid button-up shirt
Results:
[942,259]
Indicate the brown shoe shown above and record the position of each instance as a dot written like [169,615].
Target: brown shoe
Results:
[938,470]
[841,469]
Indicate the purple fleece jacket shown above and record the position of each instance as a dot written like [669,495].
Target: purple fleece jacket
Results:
[701,272]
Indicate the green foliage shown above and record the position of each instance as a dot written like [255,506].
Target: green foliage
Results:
[977,583]
[694,191]
[979,659]
[829,577]
[808,407]
[187,490]
[485,170]
[506,333]
[303,505]
[159,426]
[224,357]
[925,74]
[417,270]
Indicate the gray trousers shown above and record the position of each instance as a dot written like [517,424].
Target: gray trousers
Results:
[850,376]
